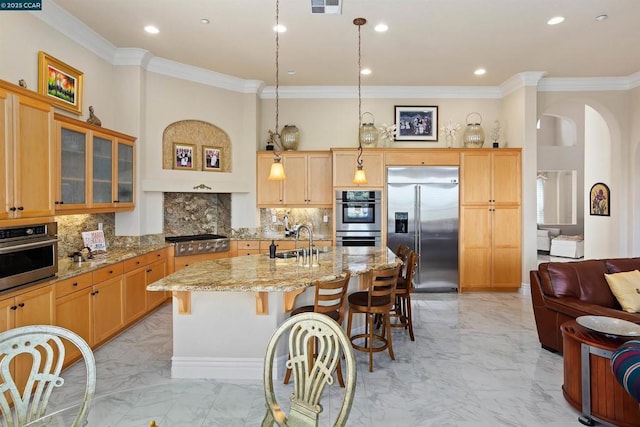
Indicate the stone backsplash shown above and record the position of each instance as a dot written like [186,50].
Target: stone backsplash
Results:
[194,213]
[312,217]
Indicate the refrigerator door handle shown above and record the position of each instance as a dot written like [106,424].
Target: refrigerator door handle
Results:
[417,219]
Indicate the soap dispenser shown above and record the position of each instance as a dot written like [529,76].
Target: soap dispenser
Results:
[272,250]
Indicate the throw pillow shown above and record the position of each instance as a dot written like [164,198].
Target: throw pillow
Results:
[626,288]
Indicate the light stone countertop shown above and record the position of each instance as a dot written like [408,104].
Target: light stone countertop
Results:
[259,273]
[67,268]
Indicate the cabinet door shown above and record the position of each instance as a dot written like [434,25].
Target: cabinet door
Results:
[125,174]
[319,180]
[344,168]
[475,248]
[35,307]
[74,312]
[506,234]
[269,193]
[475,178]
[7,317]
[135,294]
[33,158]
[155,272]
[507,173]
[72,191]
[6,168]
[295,186]
[108,316]
[102,180]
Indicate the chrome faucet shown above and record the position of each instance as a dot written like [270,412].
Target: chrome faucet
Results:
[297,233]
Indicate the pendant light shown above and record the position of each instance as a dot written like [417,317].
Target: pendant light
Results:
[360,177]
[277,170]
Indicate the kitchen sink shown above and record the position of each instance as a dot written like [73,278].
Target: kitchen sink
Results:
[287,254]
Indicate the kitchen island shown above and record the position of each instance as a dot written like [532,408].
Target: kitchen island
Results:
[225,310]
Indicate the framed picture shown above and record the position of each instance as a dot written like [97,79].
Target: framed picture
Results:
[211,158]
[183,156]
[600,200]
[416,123]
[60,82]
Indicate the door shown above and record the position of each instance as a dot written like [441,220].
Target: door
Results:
[74,312]
[72,169]
[108,311]
[155,272]
[135,294]
[124,175]
[102,181]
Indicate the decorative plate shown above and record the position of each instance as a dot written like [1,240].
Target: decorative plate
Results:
[610,326]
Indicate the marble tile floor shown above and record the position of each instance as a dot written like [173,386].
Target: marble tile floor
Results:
[476,362]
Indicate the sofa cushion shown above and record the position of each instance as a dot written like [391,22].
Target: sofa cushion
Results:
[617,265]
[626,288]
[583,280]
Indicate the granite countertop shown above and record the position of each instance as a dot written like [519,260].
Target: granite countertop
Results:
[259,273]
[280,237]
[68,268]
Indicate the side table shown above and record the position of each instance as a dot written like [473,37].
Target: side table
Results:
[589,385]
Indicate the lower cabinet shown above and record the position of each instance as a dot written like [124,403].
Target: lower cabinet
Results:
[138,273]
[108,307]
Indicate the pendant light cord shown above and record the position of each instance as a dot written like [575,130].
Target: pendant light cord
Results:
[359,22]
[277,133]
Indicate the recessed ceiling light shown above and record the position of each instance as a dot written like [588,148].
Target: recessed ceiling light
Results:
[480,72]
[291,72]
[381,28]
[204,21]
[365,71]
[602,17]
[555,20]
[279,28]
[151,29]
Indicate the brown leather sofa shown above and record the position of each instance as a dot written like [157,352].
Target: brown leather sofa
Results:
[562,291]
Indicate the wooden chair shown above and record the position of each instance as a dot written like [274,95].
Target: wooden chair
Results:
[329,300]
[40,348]
[310,374]
[404,288]
[378,300]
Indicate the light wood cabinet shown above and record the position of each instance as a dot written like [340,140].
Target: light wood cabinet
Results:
[247,247]
[108,302]
[344,167]
[74,310]
[94,168]
[156,271]
[424,157]
[490,220]
[308,180]
[26,153]
[138,273]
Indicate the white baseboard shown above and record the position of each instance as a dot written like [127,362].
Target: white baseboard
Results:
[223,368]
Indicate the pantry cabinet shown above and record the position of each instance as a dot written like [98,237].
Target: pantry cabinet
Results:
[26,153]
[490,220]
[308,182]
[345,164]
[94,168]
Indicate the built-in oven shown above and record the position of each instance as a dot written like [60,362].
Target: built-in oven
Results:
[359,218]
[28,254]
[359,210]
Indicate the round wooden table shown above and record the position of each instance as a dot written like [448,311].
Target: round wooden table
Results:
[589,385]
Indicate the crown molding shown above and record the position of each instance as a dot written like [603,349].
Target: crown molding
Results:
[382,92]
[67,24]
[132,56]
[588,84]
[520,80]
[634,80]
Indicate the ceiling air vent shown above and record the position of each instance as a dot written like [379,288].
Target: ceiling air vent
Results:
[326,7]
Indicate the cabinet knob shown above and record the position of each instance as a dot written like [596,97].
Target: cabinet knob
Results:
[20,208]
[116,201]
[12,208]
[14,307]
[149,270]
[21,305]
[74,284]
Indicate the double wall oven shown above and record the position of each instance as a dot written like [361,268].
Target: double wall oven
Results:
[28,254]
[358,217]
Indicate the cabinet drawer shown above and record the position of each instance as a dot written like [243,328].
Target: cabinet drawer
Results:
[72,284]
[107,273]
[281,245]
[243,251]
[248,244]
[154,256]
[133,263]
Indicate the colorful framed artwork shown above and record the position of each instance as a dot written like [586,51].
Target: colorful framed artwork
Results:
[61,83]
[211,158]
[600,200]
[416,123]
[183,156]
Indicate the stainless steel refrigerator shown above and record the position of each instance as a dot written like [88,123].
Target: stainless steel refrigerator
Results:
[422,213]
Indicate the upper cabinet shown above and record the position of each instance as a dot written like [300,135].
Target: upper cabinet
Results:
[308,182]
[26,152]
[490,177]
[95,168]
[344,167]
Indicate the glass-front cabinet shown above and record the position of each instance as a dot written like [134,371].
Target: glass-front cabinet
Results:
[95,168]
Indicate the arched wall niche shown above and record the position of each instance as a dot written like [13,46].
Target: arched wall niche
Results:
[200,134]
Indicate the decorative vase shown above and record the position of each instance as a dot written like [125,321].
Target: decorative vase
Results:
[290,137]
[473,136]
[448,139]
[368,133]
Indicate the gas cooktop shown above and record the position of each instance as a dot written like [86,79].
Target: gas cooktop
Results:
[198,244]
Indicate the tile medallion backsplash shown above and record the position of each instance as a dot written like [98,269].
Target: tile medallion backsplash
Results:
[195,213]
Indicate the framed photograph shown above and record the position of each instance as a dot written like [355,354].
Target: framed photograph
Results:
[416,123]
[183,156]
[60,82]
[211,158]
[600,200]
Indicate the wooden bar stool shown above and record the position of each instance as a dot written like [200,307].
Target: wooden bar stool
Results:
[378,300]
[329,300]
[404,288]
